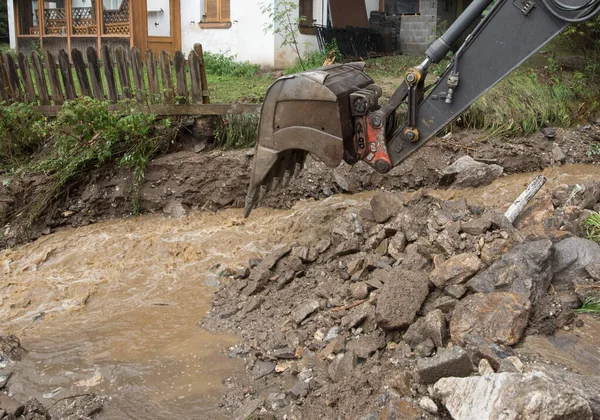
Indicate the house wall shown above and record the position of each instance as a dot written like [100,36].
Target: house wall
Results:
[417,32]
[11,24]
[245,39]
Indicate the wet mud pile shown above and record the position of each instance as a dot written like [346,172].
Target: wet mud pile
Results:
[184,180]
[417,307]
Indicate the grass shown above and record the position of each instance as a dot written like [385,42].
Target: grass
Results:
[590,306]
[592,227]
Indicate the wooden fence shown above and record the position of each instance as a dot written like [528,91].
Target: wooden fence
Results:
[161,85]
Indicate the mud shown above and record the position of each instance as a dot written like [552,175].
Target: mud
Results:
[213,180]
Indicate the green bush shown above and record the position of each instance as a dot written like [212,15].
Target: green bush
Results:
[22,132]
[237,131]
[592,227]
[226,65]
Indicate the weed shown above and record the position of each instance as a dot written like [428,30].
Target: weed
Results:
[316,58]
[594,150]
[237,131]
[284,21]
[590,306]
[224,64]
[592,227]
[22,132]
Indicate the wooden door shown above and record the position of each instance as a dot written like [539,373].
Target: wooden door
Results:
[163,31]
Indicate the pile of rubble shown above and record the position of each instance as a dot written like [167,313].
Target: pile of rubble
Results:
[411,309]
[78,407]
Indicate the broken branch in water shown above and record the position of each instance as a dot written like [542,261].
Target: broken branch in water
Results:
[517,207]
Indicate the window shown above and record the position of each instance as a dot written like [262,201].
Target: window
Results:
[306,12]
[402,7]
[216,14]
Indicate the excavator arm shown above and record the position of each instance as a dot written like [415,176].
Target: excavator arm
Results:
[333,113]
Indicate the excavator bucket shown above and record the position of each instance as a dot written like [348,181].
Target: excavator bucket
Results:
[303,113]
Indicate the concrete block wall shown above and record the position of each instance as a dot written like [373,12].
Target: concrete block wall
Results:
[418,31]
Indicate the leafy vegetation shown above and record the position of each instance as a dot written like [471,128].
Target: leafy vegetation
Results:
[590,306]
[592,227]
[237,131]
[224,64]
[22,132]
[284,21]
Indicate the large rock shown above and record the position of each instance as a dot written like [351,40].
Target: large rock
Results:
[571,256]
[452,362]
[433,326]
[510,396]
[10,349]
[400,298]
[468,173]
[456,270]
[386,205]
[498,317]
[526,269]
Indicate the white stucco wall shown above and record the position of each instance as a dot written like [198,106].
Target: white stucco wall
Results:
[11,24]
[245,39]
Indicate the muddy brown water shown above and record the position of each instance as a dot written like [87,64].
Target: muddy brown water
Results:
[113,308]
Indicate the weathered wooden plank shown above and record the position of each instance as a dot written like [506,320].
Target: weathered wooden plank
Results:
[205,92]
[30,95]
[40,78]
[138,74]
[152,75]
[182,92]
[175,110]
[13,77]
[81,72]
[123,69]
[4,89]
[195,78]
[167,77]
[55,87]
[67,75]
[109,74]
[95,77]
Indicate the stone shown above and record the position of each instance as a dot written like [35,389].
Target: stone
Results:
[397,245]
[11,406]
[273,258]
[593,270]
[398,409]
[400,298]
[262,368]
[499,317]
[10,349]
[385,206]
[414,260]
[468,173]
[355,265]
[175,209]
[342,366]
[558,154]
[456,270]
[511,364]
[526,270]
[367,214]
[348,226]
[346,184]
[446,304]
[347,247]
[491,251]
[433,326]
[246,410]
[300,389]
[476,226]
[485,367]
[548,132]
[571,256]
[304,310]
[510,396]
[301,252]
[276,400]
[360,290]
[401,383]
[456,290]
[428,405]
[425,348]
[447,362]
[335,346]
[481,348]
[4,377]
[365,345]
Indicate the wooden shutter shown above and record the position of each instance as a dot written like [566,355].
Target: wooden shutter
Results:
[306,10]
[211,10]
[225,11]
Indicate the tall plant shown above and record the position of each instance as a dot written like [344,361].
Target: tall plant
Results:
[284,21]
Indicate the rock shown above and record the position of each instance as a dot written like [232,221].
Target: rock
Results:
[401,383]
[447,362]
[498,317]
[304,310]
[398,409]
[548,132]
[558,154]
[386,205]
[346,184]
[428,405]
[593,271]
[400,298]
[336,346]
[273,257]
[300,389]
[414,260]
[11,406]
[481,348]
[511,364]
[367,344]
[4,377]
[510,396]
[485,367]
[433,326]
[446,304]
[476,226]
[456,290]
[347,247]
[491,251]
[456,270]
[175,209]
[276,401]
[425,349]
[10,349]
[397,245]
[468,173]
[571,256]
[367,214]
[246,410]
[526,270]
[262,368]
[342,366]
